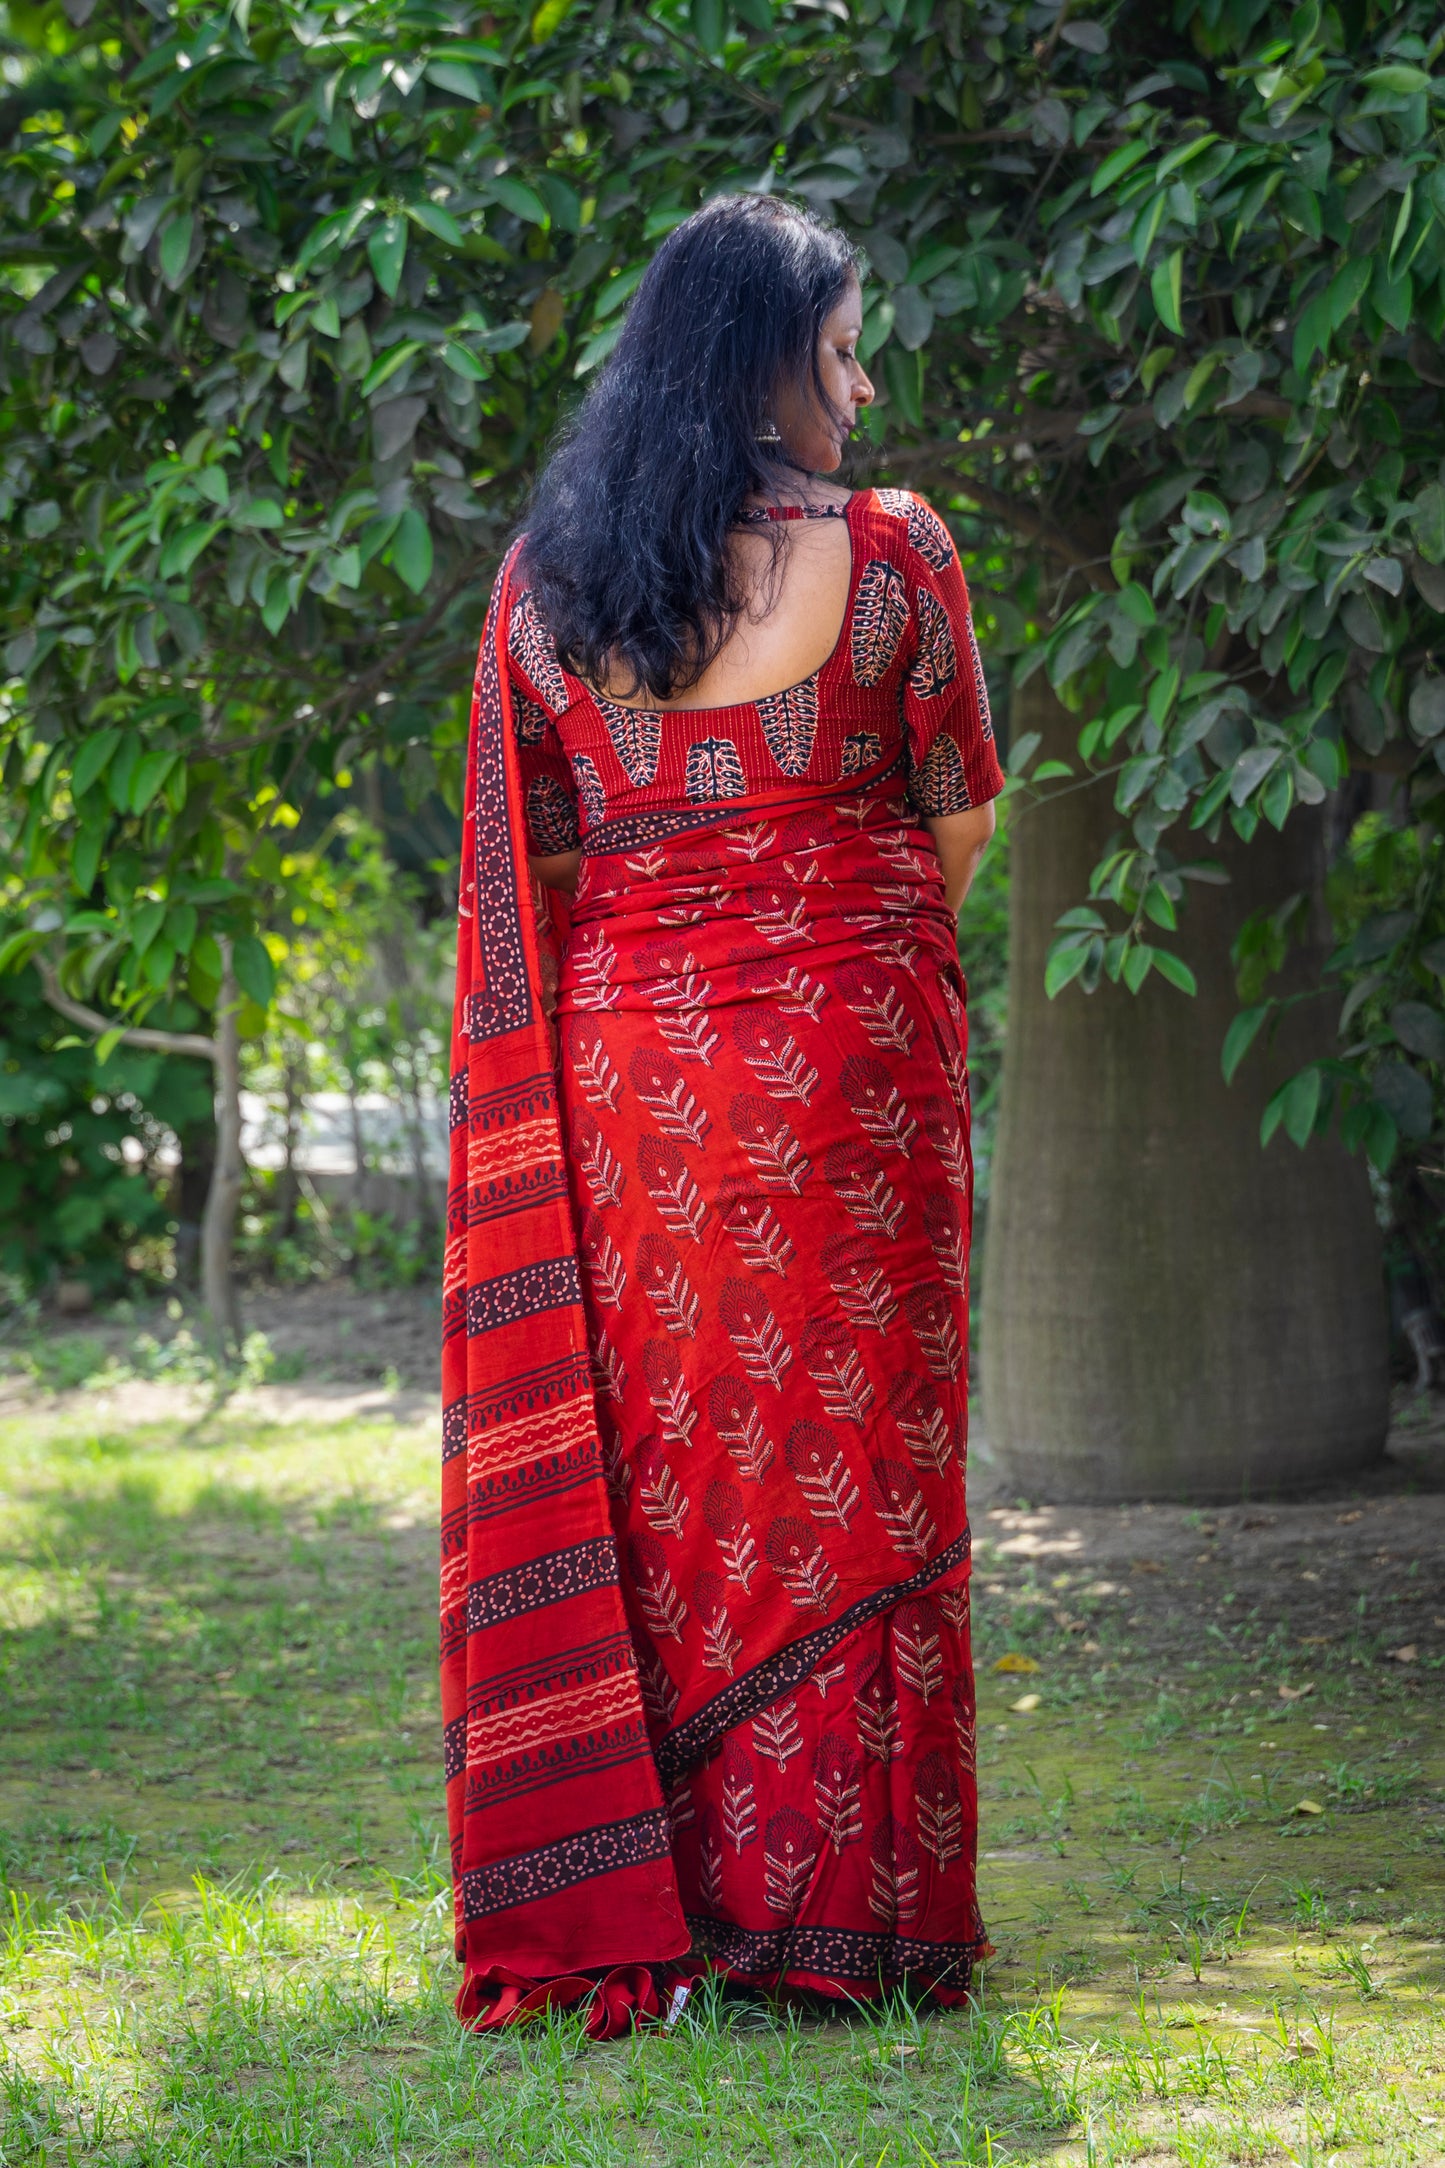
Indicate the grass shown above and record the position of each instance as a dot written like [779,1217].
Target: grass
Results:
[224,1913]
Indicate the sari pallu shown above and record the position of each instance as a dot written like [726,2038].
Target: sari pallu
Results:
[721,1466]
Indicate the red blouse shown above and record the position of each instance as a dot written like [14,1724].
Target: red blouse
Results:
[904,679]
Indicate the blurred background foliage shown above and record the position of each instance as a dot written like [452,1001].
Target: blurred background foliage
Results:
[293,297]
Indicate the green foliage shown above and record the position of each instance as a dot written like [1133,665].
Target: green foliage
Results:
[295,296]
[71,1202]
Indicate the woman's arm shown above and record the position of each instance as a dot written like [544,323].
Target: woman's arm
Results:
[559,871]
[961,840]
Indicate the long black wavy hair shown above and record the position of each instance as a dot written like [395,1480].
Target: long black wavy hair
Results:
[628,525]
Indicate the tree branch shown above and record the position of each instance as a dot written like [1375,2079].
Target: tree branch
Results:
[155,1042]
[1026,520]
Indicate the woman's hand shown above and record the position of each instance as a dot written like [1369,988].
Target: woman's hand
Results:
[559,871]
[961,840]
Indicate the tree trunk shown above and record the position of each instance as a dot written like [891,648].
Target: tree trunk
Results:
[218,1230]
[197,1145]
[1169,1310]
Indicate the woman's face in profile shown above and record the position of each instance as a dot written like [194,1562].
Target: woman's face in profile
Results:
[813,436]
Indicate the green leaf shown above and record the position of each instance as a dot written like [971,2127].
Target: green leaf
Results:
[1167,288]
[435,220]
[1312,332]
[1398,80]
[1420,1029]
[1080,917]
[91,761]
[709,25]
[1406,1097]
[386,251]
[1175,970]
[517,197]
[392,360]
[258,512]
[549,18]
[85,859]
[463,362]
[1427,523]
[182,550]
[1022,751]
[255,972]
[20,947]
[458,77]
[150,773]
[176,248]
[1241,1036]
[1117,164]
[412,550]
[1137,964]
[1066,960]
[1300,1103]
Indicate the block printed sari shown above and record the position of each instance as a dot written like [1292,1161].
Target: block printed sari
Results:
[705,1656]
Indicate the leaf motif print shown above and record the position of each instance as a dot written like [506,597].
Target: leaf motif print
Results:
[940,783]
[732,1408]
[754,1331]
[870,992]
[831,1361]
[837,1791]
[657,1597]
[667,1286]
[895,1497]
[534,651]
[862,749]
[660,1697]
[940,1811]
[951,1053]
[636,735]
[798,1559]
[603,1262]
[616,1469]
[880,619]
[893,1886]
[609,1372]
[790,720]
[930,1312]
[943,1224]
[776,1734]
[739,1797]
[875,1706]
[944,1131]
[863,1189]
[551,817]
[752,842]
[935,664]
[590,794]
[722,1646]
[928,535]
[668,1097]
[593,960]
[826,1676]
[777,1157]
[781,1067]
[667,1390]
[724,1510]
[780,915]
[794,991]
[669,1183]
[714,771]
[755,1228]
[679,993]
[529,721]
[880,1108]
[665,1505]
[953,1603]
[816,1464]
[932,1441]
[965,1724]
[601,1169]
[790,1853]
[918,1648]
[853,1274]
[710,1859]
[980,682]
[592,1065]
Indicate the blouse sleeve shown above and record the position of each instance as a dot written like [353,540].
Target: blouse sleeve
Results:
[539,697]
[949,735]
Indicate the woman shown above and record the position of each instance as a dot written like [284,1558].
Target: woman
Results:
[706,1677]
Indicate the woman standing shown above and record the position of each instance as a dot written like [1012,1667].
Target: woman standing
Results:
[706,1676]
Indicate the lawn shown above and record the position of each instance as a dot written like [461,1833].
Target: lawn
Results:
[1212,1845]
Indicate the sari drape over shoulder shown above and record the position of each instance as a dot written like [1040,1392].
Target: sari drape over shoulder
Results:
[705,1666]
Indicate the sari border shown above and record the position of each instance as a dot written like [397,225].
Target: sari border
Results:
[683,1747]
[634,831]
[847,1953]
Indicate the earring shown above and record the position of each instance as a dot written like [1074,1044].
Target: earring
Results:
[768,432]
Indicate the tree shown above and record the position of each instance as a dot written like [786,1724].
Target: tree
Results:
[295,295]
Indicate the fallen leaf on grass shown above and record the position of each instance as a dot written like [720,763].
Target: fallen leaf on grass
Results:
[1014,1662]
[1306,1806]
[1026,1704]
[1343,1520]
[1296,1693]
[1146,1565]
[1406,1655]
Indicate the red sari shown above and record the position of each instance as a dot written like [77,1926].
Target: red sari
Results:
[706,1676]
